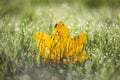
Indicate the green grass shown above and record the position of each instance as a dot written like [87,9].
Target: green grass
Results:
[101,25]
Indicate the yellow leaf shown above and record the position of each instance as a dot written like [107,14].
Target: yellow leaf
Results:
[82,57]
[43,43]
[60,45]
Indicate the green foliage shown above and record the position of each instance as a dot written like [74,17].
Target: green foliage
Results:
[97,3]
[17,46]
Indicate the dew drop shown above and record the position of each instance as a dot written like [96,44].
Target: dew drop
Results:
[74,73]
[61,71]
[57,33]
[56,40]
[9,24]
[106,54]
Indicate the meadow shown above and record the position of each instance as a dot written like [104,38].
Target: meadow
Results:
[18,27]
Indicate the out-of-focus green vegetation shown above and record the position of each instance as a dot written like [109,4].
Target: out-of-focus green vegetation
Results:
[20,19]
[16,7]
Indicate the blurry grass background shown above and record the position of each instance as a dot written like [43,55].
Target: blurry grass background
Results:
[20,19]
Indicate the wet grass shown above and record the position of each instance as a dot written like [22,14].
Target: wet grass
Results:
[101,25]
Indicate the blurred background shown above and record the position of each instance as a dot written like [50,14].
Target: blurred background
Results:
[14,7]
[21,19]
